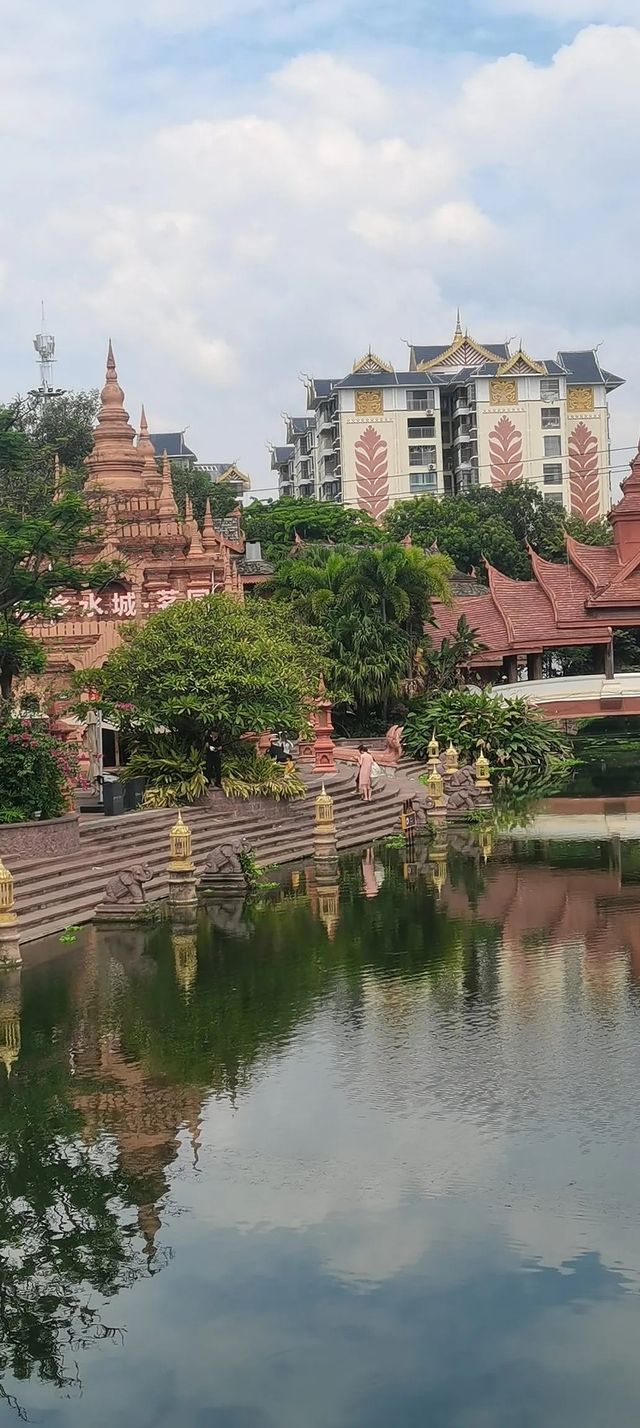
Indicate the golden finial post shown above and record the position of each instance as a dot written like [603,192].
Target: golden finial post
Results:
[435,789]
[325,837]
[183,892]
[482,770]
[433,751]
[451,759]
[9,937]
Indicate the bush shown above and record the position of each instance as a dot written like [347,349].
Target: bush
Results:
[247,774]
[173,768]
[517,740]
[35,770]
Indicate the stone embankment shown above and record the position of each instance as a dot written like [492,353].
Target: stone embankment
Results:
[61,892]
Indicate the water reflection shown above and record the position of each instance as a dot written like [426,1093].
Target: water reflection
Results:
[362,1151]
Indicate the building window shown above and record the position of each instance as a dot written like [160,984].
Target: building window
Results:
[423,401]
[552,474]
[553,446]
[471,392]
[421,430]
[423,481]
[550,418]
[422,455]
[550,389]
[553,498]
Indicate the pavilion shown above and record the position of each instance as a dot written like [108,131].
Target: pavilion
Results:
[580,602]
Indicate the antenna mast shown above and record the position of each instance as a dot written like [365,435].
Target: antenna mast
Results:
[45,346]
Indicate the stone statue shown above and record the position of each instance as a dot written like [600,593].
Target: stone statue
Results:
[128,886]
[225,861]
[393,741]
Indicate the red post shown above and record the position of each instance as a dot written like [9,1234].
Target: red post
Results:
[324,748]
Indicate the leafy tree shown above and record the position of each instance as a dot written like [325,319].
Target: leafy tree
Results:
[209,664]
[61,424]
[276,523]
[41,536]
[496,525]
[189,481]
[448,667]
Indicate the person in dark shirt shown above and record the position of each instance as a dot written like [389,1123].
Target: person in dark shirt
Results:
[213,759]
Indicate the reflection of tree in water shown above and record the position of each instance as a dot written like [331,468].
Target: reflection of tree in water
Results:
[69,1232]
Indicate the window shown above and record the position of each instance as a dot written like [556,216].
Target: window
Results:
[419,430]
[422,455]
[471,392]
[550,418]
[550,389]
[553,498]
[552,474]
[423,481]
[553,446]
[423,401]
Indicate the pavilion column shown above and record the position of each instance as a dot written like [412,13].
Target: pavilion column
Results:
[534,666]
[510,667]
[609,666]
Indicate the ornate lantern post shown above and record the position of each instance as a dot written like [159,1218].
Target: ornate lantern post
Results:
[9,939]
[451,761]
[482,770]
[182,874]
[433,751]
[435,789]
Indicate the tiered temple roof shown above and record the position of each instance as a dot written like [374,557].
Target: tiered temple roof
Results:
[578,602]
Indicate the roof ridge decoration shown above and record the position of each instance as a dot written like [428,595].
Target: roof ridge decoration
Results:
[492,573]
[522,365]
[538,563]
[464,343]
[370,362]
[574,549]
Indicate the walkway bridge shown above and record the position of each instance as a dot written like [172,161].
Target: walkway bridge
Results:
[585,696]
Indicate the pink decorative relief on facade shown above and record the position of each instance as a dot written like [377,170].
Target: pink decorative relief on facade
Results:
[584,475]
[372,473]
[505,450]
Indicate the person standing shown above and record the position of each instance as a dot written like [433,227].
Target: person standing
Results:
[213,759]
[364,773]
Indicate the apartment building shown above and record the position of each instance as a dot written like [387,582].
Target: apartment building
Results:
[464,414]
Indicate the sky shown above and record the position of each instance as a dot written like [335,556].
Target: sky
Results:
[239,192]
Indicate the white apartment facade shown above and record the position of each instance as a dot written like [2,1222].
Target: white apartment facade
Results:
[464,414]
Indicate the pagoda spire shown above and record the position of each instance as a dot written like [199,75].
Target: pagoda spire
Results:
[625,517]
[114,464]
[458,332]
[167,503]
[146,449]
[209,534]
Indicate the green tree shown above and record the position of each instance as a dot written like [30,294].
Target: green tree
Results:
[496,525]
[276,523]
[41,536]
[448,667]
[61,424]
[189,481]
[213,663]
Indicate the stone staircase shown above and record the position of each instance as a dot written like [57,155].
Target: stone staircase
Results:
[59,893]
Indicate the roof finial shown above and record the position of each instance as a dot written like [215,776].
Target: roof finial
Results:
[458,332]
[167,503]
[209,537]
[147,450]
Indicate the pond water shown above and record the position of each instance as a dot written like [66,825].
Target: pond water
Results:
[365,1156]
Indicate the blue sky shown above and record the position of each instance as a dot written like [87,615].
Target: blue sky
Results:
[240,191]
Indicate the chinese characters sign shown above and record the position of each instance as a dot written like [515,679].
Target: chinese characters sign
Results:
[121,604]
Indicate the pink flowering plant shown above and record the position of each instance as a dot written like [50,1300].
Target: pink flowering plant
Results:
[36,771]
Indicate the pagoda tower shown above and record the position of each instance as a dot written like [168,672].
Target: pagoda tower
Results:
[116,465]
[625,517]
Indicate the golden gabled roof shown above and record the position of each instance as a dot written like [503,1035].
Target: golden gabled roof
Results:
[522,365]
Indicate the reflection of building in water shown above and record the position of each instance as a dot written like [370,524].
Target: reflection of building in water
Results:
[9,1017]
[327,885]
[585,913]
[143,1114]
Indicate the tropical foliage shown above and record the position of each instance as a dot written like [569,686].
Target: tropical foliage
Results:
[372,605]
[517,740]
[35,770]
[447,667]
[247,774]
[211,664]
[173,769]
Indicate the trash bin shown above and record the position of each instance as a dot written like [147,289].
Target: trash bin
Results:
[112,795]
[133,793]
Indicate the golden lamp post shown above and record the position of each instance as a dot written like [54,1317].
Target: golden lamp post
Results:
[435,789]
[451,759]
[9,939]
[433,751]
[183,893]
[482,770]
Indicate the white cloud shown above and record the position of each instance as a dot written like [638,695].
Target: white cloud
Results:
[561,12]
[228,243]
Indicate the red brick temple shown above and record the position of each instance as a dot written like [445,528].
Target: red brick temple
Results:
[167,558]
[580,602]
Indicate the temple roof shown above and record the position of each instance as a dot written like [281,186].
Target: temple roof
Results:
[173,443]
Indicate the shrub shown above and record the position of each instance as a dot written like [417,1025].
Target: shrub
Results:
[173,768]
[517,739]
[247,774]
[35,771]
